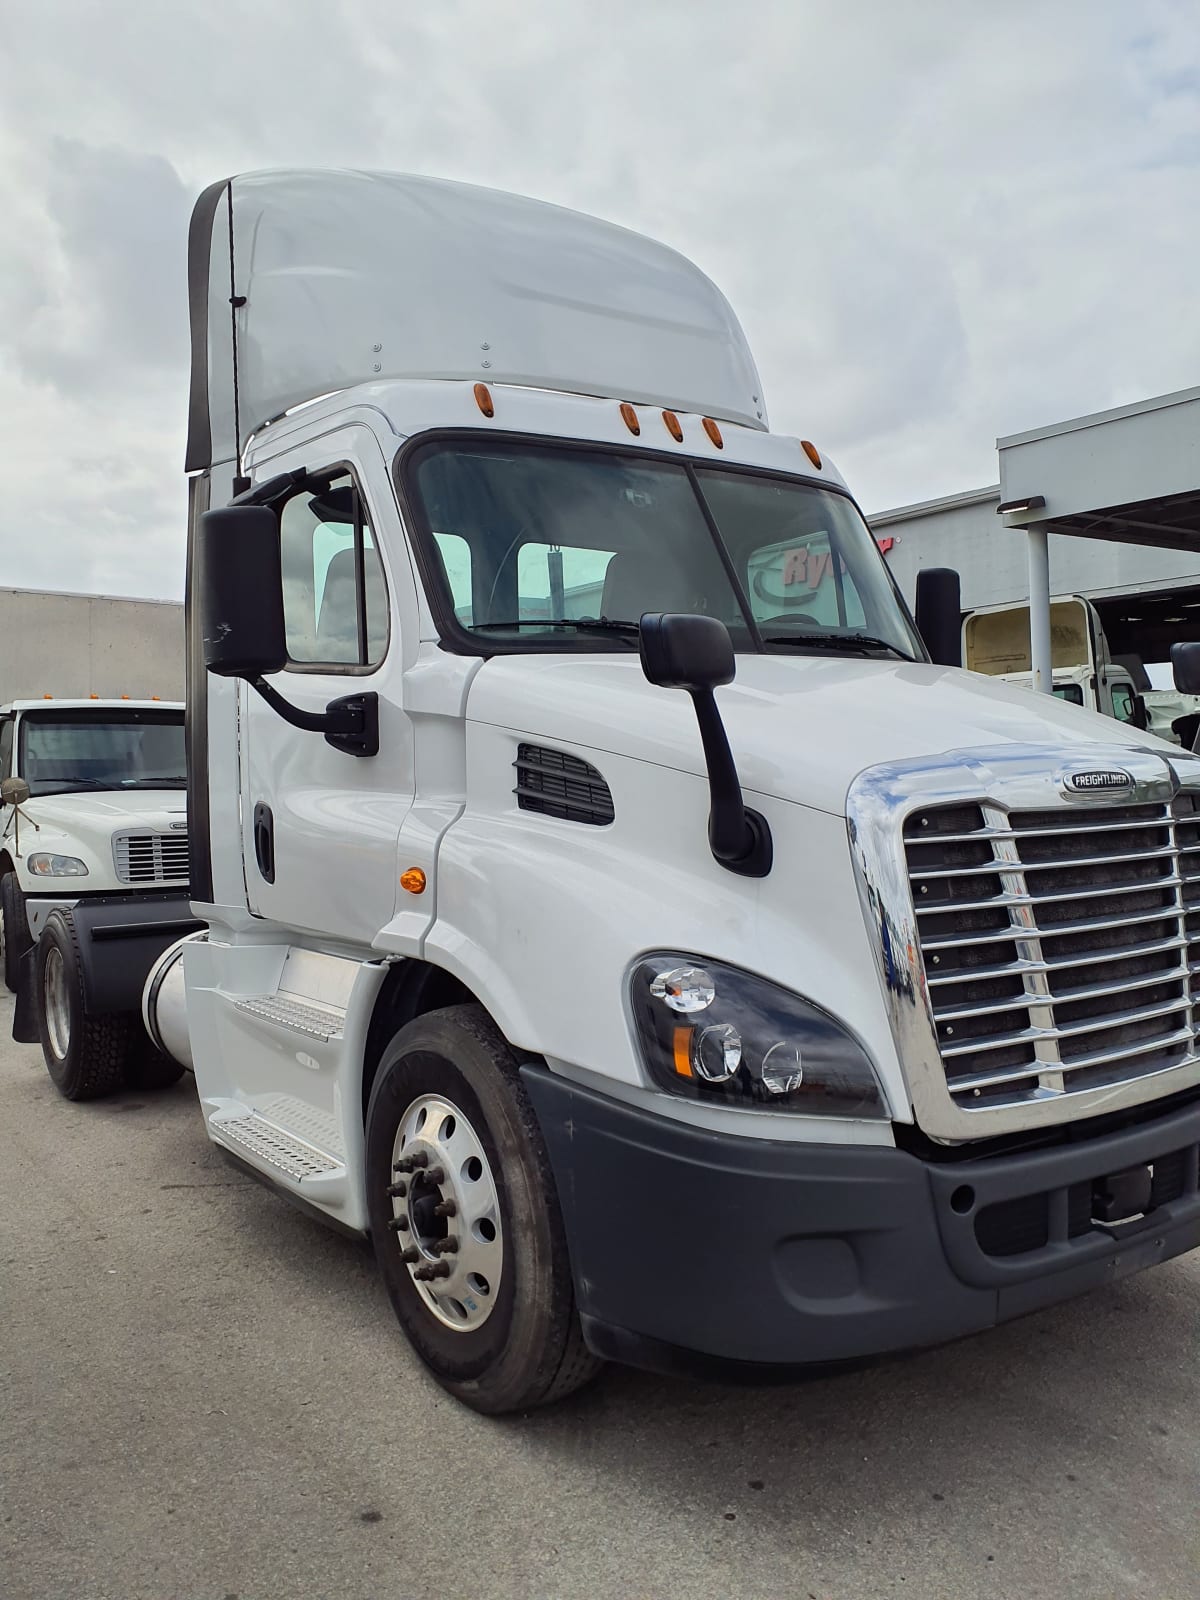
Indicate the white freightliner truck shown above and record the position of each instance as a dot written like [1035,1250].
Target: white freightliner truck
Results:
[93,844]
[635,1008]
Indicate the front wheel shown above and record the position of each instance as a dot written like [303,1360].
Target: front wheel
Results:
[84,1055]
[465,1219]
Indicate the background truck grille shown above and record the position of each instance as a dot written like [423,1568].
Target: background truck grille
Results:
[150,857]
[1060,947]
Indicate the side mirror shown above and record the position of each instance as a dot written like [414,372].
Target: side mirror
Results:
[1185,664]
[939,614]
[696,654]
[13,791]
[241,592]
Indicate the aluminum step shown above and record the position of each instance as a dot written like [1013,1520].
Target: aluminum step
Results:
[283,1151]
[298,1016]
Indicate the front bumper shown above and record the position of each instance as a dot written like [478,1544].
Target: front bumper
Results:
[690,1246]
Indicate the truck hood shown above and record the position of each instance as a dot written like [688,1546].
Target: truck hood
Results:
[801,728]
[110,810]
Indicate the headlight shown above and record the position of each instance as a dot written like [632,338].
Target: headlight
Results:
[46,866]
[716,1033]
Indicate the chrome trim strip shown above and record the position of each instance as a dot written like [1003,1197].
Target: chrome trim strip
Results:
[1000,779]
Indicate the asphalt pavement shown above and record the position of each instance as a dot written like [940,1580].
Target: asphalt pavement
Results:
[204,1395]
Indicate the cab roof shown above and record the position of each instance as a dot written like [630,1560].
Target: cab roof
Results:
[54,703]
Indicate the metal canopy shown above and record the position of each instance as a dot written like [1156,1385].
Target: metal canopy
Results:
[1130,475]
[319,281]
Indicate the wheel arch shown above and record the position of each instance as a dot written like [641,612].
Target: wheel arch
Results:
[411,989]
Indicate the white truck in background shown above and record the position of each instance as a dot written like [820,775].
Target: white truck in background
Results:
[705,973]
[94,859]
[996,642]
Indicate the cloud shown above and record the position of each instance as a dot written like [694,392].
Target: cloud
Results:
[938,222]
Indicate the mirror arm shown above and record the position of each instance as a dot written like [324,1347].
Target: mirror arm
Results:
[740,839]
[350,724]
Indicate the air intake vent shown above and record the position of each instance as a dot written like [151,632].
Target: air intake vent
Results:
[560,785]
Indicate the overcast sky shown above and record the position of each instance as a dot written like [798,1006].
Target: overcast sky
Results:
[938,222]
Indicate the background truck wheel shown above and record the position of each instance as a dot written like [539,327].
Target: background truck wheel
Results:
[85,1056]
[465,1219]
[14,929]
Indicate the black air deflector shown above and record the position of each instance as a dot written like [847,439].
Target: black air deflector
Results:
[561,785]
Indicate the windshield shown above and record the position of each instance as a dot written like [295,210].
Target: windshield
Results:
[1070,692]
[61,754]
[535,546]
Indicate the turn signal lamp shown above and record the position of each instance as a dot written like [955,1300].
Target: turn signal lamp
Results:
[413,880]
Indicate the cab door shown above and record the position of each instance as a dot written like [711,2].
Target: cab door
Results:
[320,826]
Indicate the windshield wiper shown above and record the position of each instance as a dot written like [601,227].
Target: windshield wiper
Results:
[629,630]
[860,643]
[170,781]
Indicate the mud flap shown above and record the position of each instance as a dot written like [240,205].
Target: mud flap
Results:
[25,1018]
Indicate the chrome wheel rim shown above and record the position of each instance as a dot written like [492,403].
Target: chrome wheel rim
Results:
[446,1213]
[54,1003]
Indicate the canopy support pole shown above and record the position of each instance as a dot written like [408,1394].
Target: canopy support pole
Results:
[1039,609]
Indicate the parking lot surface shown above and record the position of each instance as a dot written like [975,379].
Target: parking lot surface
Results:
[204,1395]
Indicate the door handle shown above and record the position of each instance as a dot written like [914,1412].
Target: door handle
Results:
[264,841]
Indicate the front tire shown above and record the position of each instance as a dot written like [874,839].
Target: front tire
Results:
[473,1252]
[15,939]
[84,1055]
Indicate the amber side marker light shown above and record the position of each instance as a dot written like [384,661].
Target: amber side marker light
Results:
[811,451]
[483,399]
[714,433]
[682,1051]
[673,427]
[631,418]
[413,880]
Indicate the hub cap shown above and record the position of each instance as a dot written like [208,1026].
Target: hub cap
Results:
[55,1004]
[450,1213]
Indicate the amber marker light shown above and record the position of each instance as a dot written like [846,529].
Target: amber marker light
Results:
[682,1044]
[673,427]
[811,451]
[414,879]
[631,418]
[714,433]
[483,399]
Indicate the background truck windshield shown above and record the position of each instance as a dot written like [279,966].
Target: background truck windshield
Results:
[539,545]
[61,754]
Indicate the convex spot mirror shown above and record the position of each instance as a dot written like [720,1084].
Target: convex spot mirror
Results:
[13,791]
[681,651]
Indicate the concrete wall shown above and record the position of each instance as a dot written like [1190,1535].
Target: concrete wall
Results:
[963,531]
[75,644]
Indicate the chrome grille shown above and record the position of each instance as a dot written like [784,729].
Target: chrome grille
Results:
[150,857]
[1060,947]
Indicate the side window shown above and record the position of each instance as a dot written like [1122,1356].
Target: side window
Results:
[6,747]
[797,581]
[554,583]
[332,619]
[1122,702]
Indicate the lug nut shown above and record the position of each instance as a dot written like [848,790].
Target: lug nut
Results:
[417,1159]
[398,1189]
[446,1209]
[403,1165]
[436,1175]
[447,1246]
[410,1255]
[440,1269]
[398,1224]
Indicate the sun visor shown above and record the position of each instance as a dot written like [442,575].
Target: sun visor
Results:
[317,281]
